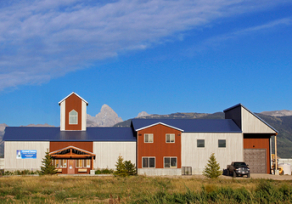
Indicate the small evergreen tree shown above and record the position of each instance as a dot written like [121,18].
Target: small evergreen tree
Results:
[212,169]
[121,170]
[48,167]
[130,168]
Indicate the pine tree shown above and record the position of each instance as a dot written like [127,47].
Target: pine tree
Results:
[121,170]
[212,169]
[130,168]
[48,167]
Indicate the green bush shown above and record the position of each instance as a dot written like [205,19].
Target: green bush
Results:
[97,171]
[124,168]
[48,167]
[212,169]
[104,171]
[107,171]
[21,172]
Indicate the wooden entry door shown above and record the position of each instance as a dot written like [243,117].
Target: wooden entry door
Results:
[71,166]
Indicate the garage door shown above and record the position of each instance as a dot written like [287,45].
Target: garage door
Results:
[256,160]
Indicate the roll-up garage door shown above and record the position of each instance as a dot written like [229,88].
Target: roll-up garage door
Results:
[256,160]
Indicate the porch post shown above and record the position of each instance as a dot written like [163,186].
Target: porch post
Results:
[276,161]
[91,162]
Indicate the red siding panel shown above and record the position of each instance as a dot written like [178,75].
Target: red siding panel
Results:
[82,145]
[73,102]
[159,148]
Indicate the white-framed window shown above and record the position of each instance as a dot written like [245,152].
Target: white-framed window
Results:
[221,143]
[73,117]
[170,138]
[148,138]
[60,163]
[200,143]
[79,163]
[148,162]
[86,163]
[170,162]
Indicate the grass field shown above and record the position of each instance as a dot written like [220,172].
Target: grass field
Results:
[141,189]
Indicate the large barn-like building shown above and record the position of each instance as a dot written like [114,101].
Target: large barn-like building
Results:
[156,146]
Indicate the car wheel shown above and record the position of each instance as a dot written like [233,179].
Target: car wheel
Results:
[234,174]
[248,175]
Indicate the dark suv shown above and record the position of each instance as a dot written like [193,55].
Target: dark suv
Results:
[238,169]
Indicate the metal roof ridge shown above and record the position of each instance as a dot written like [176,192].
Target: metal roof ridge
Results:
[76,95]
[158,124]
[232,107]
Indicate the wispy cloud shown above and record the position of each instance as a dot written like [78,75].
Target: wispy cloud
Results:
[41,40]
[216,41]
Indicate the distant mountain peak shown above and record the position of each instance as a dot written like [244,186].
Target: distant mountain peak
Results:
[278,113]
[40,125]
[2,127]
[142,114]
[107,117]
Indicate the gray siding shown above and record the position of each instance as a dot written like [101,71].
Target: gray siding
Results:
[10,161]
[107,153]
[197,157]
[159,172]
[251,124]
[1,163]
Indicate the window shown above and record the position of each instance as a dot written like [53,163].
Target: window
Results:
[60,163]
[73,117]
[148,162]
[170,162]
[170,138]
[148,138]
[86,163]
[56,162]
[200,143]
[221,143]
[79,163]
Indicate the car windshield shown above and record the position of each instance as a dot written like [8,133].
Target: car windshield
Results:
[238,164]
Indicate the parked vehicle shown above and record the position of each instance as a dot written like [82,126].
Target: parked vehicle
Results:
[238,169]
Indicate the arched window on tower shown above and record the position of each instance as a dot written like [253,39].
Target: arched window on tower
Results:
[73,117]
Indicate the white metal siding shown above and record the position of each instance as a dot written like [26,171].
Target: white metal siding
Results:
[107,153]
[197,158]
[62,115]
[83,116]
[10,161]
[159,172]
[1,163]
[251,124]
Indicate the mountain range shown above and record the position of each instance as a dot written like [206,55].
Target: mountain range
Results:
[107,117]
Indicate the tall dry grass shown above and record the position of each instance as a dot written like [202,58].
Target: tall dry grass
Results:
[57,189]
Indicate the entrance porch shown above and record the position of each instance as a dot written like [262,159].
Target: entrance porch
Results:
[73,160]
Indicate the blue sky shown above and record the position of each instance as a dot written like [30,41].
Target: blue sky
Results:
[156,56]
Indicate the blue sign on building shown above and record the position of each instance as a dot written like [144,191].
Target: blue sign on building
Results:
[26,154]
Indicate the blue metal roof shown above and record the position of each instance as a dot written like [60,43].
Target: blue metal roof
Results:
[122,134]
[192,125]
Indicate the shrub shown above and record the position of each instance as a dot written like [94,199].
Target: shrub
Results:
[130,167]
[48,167]
[121,170]
[104,171]
[107,171]
[212,169]
[124,168]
